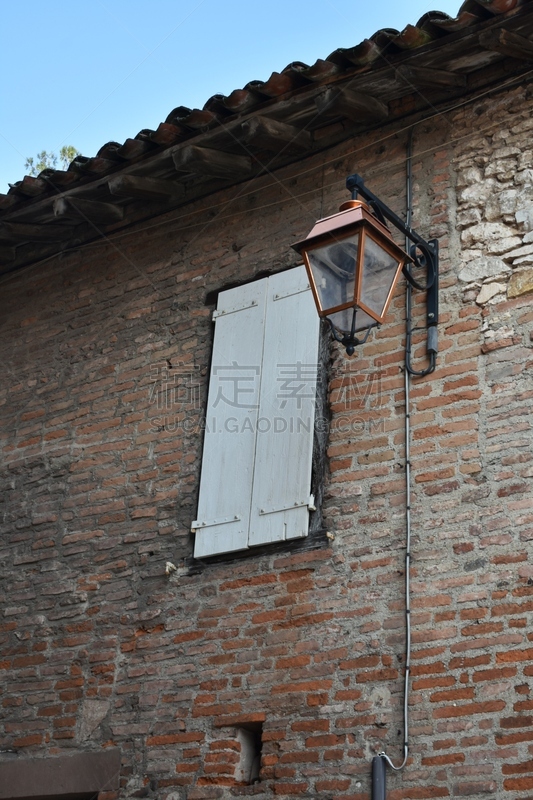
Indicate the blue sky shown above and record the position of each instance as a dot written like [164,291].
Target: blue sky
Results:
[84,73]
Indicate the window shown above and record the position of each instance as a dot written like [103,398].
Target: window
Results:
[256,467]
[250,742]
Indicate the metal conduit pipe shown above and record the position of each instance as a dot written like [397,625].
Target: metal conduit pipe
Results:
[379,763]
[422,255]
[379,778]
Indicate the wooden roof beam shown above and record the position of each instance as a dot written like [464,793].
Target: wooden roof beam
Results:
[424,76]
[270,134]
[88,210]
[353,105]
[24,232]
[507,43]
[144,188]
[213,163]
[7,254]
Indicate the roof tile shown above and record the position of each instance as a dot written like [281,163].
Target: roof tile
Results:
[184,123]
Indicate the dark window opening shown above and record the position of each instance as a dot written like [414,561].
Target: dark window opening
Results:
[250,737]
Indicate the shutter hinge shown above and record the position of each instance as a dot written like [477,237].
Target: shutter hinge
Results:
[310,503]
[212,522]
[225,311]
[280,296]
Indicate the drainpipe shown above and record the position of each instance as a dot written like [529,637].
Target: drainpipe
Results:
[379,778]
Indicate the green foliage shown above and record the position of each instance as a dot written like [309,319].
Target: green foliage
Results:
[45,160]
[67,154]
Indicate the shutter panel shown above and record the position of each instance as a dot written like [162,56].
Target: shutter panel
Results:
[232,410]
[284,442]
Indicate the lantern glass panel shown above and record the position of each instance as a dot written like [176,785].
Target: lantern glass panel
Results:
[343,320]
[379,270]
[334,268]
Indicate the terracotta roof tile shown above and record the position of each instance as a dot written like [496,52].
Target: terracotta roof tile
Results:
[182,121]
[293,88]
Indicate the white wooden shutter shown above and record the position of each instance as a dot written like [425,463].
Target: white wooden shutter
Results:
[256,468]
[284,443]
[232,409]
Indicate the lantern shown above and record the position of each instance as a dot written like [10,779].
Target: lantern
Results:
[353,265]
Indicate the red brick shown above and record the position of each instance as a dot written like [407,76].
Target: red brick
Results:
[28,741]
[471,788]
[469,709]
[333,785]
[311,725]
[518,784]
[327,740]
[448,758]
[494,674]
[290,788]
[377,675]
[452,694]
[510,656]
[305,757]
[516,722]
[516,769]
[304,686]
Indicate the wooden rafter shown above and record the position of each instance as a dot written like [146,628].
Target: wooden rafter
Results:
[88,210]
[144,188]
[214,163]
[24,232]
[271,134]
[353,105]
[507,43]
[7,254]
[423,76]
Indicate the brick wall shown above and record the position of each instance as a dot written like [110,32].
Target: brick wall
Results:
[99,647]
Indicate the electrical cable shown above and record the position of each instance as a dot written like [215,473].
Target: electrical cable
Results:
[407,383]
[408,343]
[411,282]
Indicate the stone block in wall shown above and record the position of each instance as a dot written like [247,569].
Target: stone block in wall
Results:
[503,169]
[521,254]
[506,152]
[525,159]
[93,713]
[502,203]
[468,176]
[469,217]
[502,246]
[487,233]
[524,216]
[477,193]
[488,291]
[521,283]
[78,774]
[514,204]
[524,178]
[484,267]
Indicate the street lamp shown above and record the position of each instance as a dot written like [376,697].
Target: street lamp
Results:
[354,264]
